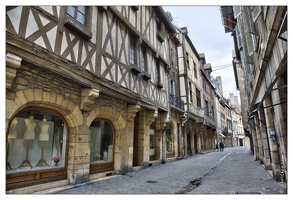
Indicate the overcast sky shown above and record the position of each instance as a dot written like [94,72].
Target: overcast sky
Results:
[207,34]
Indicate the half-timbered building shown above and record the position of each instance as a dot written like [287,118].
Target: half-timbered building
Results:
[87,93]
[210,118]
[190,93]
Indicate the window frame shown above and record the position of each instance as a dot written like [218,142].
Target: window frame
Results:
[198,98]
[132,58]
[190,91]
[73,22]
[143,59]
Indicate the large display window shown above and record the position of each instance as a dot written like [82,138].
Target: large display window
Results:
[36,140]
[101,142]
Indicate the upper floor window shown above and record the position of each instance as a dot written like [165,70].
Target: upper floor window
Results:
[77,12]
[131,51]
[198,98]
[157,70]
[207,108]
[76,18]
[212,112]
[143,59]
[187,60]
[190,92]
[195,71]
[172,88]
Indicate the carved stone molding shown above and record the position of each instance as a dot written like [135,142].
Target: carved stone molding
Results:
[151,116]
[88,97]
[132,110]
[13,62]
[164,120]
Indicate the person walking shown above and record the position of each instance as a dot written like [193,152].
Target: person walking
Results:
[221,146]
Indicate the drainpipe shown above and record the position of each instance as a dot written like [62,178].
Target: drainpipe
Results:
[186,86]
[186,75]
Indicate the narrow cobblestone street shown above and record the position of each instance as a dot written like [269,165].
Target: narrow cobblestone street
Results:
[232,171]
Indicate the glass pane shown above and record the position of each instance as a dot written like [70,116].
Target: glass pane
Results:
[70,11]
[80,18]
[169,141]
[131,52]
[152,142]
[101,142]
[36,140]
[81,9]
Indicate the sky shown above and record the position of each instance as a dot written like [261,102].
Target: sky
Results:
[206,31]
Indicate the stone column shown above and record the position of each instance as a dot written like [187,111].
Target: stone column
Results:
[264,136]
[127,138]
[145,120]
[180,142]
[192,132]
[259,140]
[79,153]
[163,124]
[281,124]
[275,162]
[254,138]
[158,139]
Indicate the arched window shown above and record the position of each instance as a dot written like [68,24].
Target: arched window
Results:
[36,140]
[101,142]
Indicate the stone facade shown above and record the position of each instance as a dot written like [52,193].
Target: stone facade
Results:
[260,36]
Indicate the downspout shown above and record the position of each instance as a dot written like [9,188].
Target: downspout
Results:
[164,157]
[186,89]
[186,75]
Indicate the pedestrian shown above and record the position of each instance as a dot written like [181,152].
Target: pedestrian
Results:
[221,146]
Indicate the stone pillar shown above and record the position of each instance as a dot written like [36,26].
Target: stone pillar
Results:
[259,140]
[200,137]
[254,138]
[185,153]
[158,139]
[264,136]
[127,138]
[192,132]
[79,153]
[281,124]
[275,163]
[163,124]
[180,140]
[145,120]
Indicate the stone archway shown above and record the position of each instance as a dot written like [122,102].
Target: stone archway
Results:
[118,123]
[67,109]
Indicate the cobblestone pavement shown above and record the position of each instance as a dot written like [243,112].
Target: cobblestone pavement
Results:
[232,171]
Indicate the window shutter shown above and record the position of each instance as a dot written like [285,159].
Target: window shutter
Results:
[239,37]
[249,31]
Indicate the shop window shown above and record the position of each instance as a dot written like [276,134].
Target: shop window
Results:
[101,142]
[152,139]
[36,140]
[169,141]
